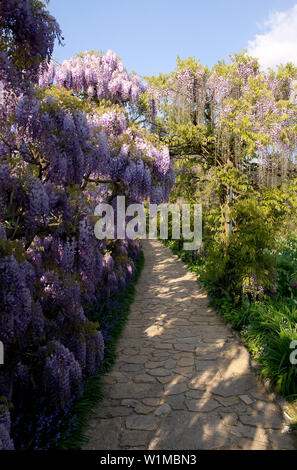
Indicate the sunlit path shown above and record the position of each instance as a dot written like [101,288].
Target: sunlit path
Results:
[182,380]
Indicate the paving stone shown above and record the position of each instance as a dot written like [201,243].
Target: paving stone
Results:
[152,401]
[175,389]
[103,434]
[133,439]
[134,333]
[163,354]
[184,347]
[130,352]
[169,364]
[107,402]
[269,421]
[217,337]
[282,441]
[185,371]
[153,364]
[203,405]
[209,379]
[142,409]
[141,423]
[161,372]
[183,430]
[183,354]
[228,401]
[252,444]
[235,386]
[206,365]
[163,346]
[164,380]
[228,419]
[233,367]
[246,399]
[191,341]
[130,402]
[118,376]
[126,343]
[188,332]
[146,351]
[112,412]
[249,432]
[239,408]
[261,394]
[109,380]
[144,378]
[186,362]
[136,359]
[131,367]
[212,356]
[163,410]
[265,407]
[177,402]
[154,330]
[131,390]
[195,394]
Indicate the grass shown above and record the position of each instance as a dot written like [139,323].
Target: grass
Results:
[93,393]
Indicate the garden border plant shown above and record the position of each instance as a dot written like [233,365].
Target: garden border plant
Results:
[71,136]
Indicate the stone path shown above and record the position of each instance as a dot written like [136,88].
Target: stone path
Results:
[182,380]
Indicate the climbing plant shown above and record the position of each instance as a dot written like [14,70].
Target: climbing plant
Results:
[67,143]
[231,130]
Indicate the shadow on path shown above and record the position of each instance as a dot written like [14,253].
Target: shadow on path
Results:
[182,380]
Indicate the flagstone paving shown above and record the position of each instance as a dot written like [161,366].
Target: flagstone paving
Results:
[182,379]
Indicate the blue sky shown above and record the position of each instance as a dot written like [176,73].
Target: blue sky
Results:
[148,35]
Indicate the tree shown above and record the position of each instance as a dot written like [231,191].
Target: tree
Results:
[231,131]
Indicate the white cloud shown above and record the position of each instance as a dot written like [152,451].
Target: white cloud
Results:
[278,43]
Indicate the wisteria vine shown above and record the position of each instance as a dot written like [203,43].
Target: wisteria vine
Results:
[65,145]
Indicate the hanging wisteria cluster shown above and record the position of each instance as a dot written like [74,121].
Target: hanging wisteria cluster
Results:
[249,111]
[58,159]
[34,32]
[253,110]
[96,75]
[184,94]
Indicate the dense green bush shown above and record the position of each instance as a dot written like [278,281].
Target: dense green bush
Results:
[271,329]
[287,268]
[244,265]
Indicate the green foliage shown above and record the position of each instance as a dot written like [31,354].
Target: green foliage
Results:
[244,265]
[271,329]
[285,71]
[62,98]
[287,268]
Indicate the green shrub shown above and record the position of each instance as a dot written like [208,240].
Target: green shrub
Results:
[287,268]
[271,329]
[244,265]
